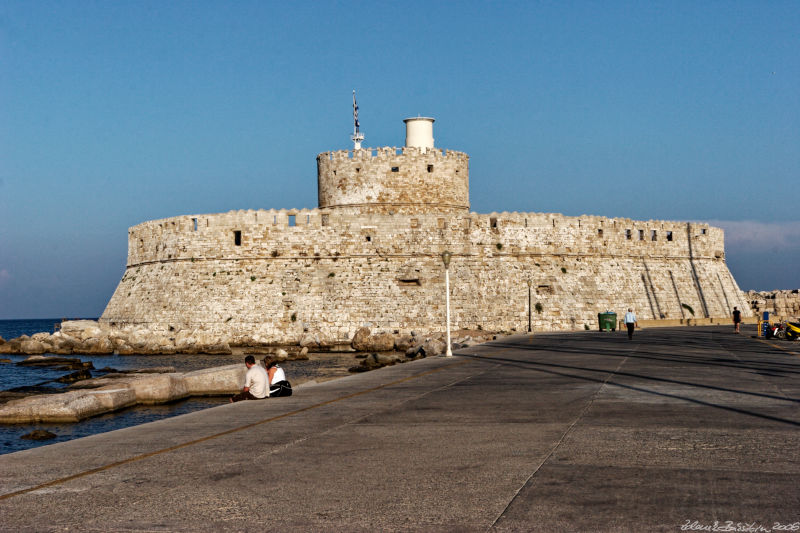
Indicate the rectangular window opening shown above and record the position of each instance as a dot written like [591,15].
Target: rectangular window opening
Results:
[409,282]
[600,232]
[194,224]
[430,168]
[358,169]
[292,221]
[641,234]
[395,169]
[308,219]
[669,235]
[703,231]
[628,235]
[493,223]
[653,235]
[237,237]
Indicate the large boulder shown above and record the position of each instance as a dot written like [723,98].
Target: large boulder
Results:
[33,347]
[307,340]
[220,380]
[84,329]
[404,342]
[433,347]
[97,345]
[360,339]
[363,341]
[10,347]
[41,337]
[64,344]
[381,342]
[123,348]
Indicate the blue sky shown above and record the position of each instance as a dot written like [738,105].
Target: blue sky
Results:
[113,113]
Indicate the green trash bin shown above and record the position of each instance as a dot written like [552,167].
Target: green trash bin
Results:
[607,320]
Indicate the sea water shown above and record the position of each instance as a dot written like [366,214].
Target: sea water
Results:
[13,376]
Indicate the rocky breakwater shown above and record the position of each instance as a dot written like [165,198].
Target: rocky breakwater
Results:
[114,391]
[388,349]
[95,338]
[780,304]
[87,337]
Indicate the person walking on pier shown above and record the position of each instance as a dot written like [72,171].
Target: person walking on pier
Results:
[630,322]
[737,319]
[255,382]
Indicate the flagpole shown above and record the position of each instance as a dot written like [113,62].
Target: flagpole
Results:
[357,135]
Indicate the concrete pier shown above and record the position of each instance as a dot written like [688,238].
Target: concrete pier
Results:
[672,431]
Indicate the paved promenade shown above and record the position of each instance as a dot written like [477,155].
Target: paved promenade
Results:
[587,431]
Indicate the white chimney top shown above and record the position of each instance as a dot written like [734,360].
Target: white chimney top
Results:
[419,132]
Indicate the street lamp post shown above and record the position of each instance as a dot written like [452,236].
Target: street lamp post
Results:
[529,306]
[446,260]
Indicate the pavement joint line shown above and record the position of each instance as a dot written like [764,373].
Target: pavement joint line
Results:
[542,368]
[147,455]
[560,441]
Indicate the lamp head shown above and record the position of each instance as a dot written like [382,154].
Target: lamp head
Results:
[446,258]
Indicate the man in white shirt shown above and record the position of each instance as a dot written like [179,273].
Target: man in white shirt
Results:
[255,382]
[630,322]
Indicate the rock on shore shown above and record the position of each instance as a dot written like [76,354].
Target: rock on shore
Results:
[106,394]
[99,338]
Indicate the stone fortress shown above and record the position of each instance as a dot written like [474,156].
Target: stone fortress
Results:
[370,255]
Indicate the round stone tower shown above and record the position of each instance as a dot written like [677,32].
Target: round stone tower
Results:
[417,178]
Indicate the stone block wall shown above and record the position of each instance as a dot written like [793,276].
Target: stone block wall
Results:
[396,180]
[783,304]
[270,275]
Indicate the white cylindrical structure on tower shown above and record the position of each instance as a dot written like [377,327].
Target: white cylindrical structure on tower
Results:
[419,132]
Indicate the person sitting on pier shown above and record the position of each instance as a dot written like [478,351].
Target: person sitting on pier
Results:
[278,385]
[255,382]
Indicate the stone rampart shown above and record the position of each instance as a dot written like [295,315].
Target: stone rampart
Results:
[274,274]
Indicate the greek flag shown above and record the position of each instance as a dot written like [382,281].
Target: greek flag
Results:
[355,111]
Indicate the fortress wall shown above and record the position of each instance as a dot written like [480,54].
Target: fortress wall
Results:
[398,180]
[333,272]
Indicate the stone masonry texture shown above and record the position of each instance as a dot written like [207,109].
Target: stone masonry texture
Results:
[371,255]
